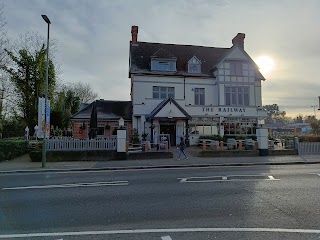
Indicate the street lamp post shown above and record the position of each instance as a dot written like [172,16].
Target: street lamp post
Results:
[44,154]
[314,109]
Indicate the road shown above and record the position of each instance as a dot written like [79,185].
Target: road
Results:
[257,202]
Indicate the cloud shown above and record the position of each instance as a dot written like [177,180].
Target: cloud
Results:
[93,38]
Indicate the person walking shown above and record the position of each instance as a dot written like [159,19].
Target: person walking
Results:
[181,148]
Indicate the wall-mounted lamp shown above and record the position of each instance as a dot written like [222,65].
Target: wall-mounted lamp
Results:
[170,114]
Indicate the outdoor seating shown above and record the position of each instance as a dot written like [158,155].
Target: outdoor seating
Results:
[249,144]
[231,144]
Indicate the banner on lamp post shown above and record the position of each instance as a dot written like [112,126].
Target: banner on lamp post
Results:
[43,118]
[48,120]
[41,112]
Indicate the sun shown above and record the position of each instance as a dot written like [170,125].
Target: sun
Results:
[266,64]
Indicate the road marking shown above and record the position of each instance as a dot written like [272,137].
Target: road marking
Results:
[94,184]
[173,230]
[224,179]
[166,238]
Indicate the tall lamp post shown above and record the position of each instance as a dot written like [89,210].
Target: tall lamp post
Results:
[314,109]
[44,154]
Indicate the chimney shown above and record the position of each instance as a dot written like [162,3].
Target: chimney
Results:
[134,34]
[239,40]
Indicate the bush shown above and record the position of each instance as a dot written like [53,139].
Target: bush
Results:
[35,156]
[211,137]
[237,137]
[10,149]
[309,138]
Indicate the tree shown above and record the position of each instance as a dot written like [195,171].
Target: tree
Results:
[299,119]
[3,37]
[275,116]
[84,92]
[315,126]
[65,104]
[28,73]
[310,118]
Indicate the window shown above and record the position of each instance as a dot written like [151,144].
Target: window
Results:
[194,68]
[199,96]
[100,131]
[238,96]
[163,65]
[163,92]
[236,68]
[194,65]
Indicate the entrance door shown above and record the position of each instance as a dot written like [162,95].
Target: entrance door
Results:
[169,128]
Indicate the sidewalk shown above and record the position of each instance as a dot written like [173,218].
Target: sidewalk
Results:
[23,164]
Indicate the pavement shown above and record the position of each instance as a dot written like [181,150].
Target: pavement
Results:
[24,164]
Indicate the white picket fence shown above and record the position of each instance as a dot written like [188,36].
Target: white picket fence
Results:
[309,148]
[70,144]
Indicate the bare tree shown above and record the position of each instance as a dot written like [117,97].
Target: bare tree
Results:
[84,92]
[3,37]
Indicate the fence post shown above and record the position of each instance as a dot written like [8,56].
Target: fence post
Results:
[240,145]
[296,144]
[146,146]
[204,146]
[221,145]
[127,147]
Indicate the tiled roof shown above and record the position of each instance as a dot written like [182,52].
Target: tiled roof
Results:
[141,53]
[107,110]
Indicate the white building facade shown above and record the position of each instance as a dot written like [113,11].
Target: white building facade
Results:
[189,91]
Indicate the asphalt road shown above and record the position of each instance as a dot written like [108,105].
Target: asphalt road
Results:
[259,202]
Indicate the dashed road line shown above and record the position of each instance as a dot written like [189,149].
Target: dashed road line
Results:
[71,185]
[228,178]
[166,238]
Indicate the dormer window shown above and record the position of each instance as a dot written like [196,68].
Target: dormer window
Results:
[162,60]
[163,65]
[194,65]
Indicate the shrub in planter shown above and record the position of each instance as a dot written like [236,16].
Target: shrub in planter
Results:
[35,156]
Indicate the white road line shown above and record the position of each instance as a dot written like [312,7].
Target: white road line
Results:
[94,184]
[166,238]
[173,230]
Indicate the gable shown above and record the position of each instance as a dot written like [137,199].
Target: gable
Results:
[170,110]
[236,53]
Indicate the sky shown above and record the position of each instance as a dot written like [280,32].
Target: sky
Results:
[93,39]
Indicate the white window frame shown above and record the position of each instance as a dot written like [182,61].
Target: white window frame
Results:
[192,63]
[234,93]
[163,65]
[162,92]
[199,96]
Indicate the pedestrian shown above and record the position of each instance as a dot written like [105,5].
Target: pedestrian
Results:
[181,146]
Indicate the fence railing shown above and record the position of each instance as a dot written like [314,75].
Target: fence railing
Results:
[306,148]
[70,144]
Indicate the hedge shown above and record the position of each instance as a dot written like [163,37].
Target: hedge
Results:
[10,149]
[225,137]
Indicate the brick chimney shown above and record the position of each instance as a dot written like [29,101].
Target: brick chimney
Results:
[134,34]
[239,40]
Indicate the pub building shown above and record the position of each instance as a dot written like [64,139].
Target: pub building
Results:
[188,91]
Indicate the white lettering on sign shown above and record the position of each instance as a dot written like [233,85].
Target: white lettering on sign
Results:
[224,109]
